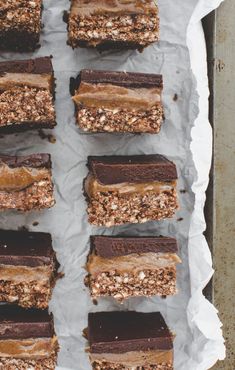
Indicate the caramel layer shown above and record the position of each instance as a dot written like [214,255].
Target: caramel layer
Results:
[113,7]
[28,348]
[9,80]
[133,359]
[16,179]
[133,262]
[112,96]
[17,274]
[92,186]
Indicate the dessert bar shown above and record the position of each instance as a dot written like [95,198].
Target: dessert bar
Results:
[26,95]
[118,101]
[124,267]
[26,182]
[130,189]
[20,24]
[28,268]
[27,339]
[109,24]
[129,340]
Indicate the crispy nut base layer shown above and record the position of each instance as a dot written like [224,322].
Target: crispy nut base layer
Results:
[148,283]
[139,29]
[110,208]
[37,196]
[26,104]
[110,366]
[120,120]
[21,15]
[20,364]
[32,294]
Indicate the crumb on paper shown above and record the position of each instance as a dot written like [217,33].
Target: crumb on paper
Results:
[43,135]
[175,97]
[35,223]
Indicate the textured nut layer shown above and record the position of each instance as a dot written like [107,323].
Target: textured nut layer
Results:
[140,29]
[109,366]
[37,196]
[111,208]
[26,104]
[32,294]
[148,283]
[21,15]
[18,364]
[120,120]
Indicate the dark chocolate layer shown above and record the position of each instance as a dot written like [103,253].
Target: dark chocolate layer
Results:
[20,41]
[24,248]
[19,323]
[132,169]
[115,246]
[120,332]
[125,79]
[40,160]
[35,66]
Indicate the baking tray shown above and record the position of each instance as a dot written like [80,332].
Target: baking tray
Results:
[220,206]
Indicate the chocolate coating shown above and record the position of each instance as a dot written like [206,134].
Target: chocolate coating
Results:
[34,66]
[131,169]
[41,160]
[19,323]
[124,331]
[125,79]
[24,248]
[115,246]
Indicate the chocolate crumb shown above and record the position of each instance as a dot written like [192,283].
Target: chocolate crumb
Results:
[23,228]
[35,223]
[49,137]
[183,191]
[175,97]
[95,302]
[180,219]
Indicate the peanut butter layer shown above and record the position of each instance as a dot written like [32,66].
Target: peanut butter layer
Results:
[40,81]
[110,96]
[92,187]
[135,358]
[35,348]
[114,7]
[17,274]
[131,262]
[16,179]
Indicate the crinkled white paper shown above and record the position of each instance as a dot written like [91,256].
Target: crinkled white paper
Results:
[199,342]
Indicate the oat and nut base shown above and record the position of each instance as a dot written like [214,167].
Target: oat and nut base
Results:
[25,294]
[120,120]
[110,366]
[26,104]
[111,208]
[148,283]
[37,196]
[20,364]
[137,29]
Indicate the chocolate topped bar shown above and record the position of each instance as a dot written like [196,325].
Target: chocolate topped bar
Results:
[28,268]
[130,189]
[118,101]
[18,323]
[26,182]
[116,246]
[112,24]
[25,248]
[124,267]
[20,24]
[27,339]
[132,169]
[128,339]
[26,95]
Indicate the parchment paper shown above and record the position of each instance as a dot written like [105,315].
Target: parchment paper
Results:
[185,138]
